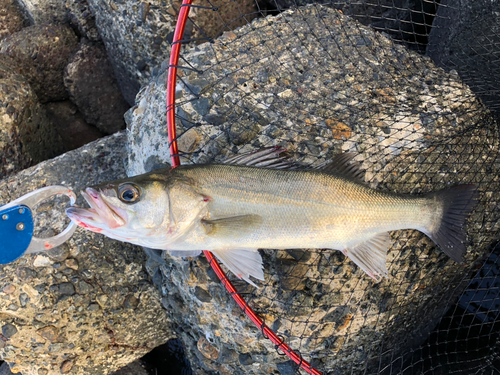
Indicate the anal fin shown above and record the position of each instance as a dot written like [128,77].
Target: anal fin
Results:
[243,263]
[371,255]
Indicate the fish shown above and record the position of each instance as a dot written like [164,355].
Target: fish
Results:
[262,200]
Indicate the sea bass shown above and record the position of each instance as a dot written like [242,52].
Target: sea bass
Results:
[234,209]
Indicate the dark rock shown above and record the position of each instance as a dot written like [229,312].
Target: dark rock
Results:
[9,330]
[245,359]
[70,124]
[26,135]
[46,11]
[91,84]
[66,289]
[239,134]
[131,302]
[66,367]
[79,15]
[41,53]
[463,39]
[50,333]
[23,299]
[202,294]
[134,368]
[25,273]
[11,19]
[287,368]
[136,48]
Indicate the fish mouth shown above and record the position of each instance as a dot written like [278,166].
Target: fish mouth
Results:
[100,216]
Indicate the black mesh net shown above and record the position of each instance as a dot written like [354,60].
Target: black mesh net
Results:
[410,87]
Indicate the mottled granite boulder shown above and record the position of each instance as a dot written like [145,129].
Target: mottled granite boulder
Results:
[70,125]
[26,134]
[41,53]
[11,19]
[88,306]
[465,37]
[92,86]
[43,11]
[323,84]
[137,35]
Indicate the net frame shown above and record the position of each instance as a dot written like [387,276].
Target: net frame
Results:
[267,332]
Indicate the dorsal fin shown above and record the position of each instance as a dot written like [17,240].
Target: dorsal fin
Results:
[268,157]
[342,164]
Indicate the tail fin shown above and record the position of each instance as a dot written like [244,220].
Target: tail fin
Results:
[458,203]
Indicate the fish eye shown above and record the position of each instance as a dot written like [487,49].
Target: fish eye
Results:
[128,193]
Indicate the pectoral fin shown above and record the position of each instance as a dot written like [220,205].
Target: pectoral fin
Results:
[243,263]
[232,226]
[371,255]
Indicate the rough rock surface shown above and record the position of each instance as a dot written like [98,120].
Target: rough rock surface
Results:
[70,125]
[79,15]
[87,306]
[137,35]
[43,11]
[465,36]
[404,20]
[11,19]
[41,53]
[26,134]
[91,84]
[318,83]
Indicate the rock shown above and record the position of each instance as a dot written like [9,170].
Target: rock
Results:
[11,19]
[26,135]
[63,305]
[9,330]
[42,261]
[70,124]
[134,368]
[9,289]
[71,263]
[91,84]
[415,129]
[41,53]
[81,17]
[137,36]
[462,39]
[43,11]
[207,349]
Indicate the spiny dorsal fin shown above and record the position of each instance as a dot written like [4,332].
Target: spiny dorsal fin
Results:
[268,157]
[232,226]
[243,263]
[342,164]
[370,255]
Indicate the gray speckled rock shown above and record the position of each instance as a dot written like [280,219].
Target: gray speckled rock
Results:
[137,35]
[91,84]
[68,318]
[321,85]
[41,53]
[465,37]
[11,19]
[43,11]
[80,16]
[26,134]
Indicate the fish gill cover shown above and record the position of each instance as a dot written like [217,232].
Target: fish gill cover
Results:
[319,80]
